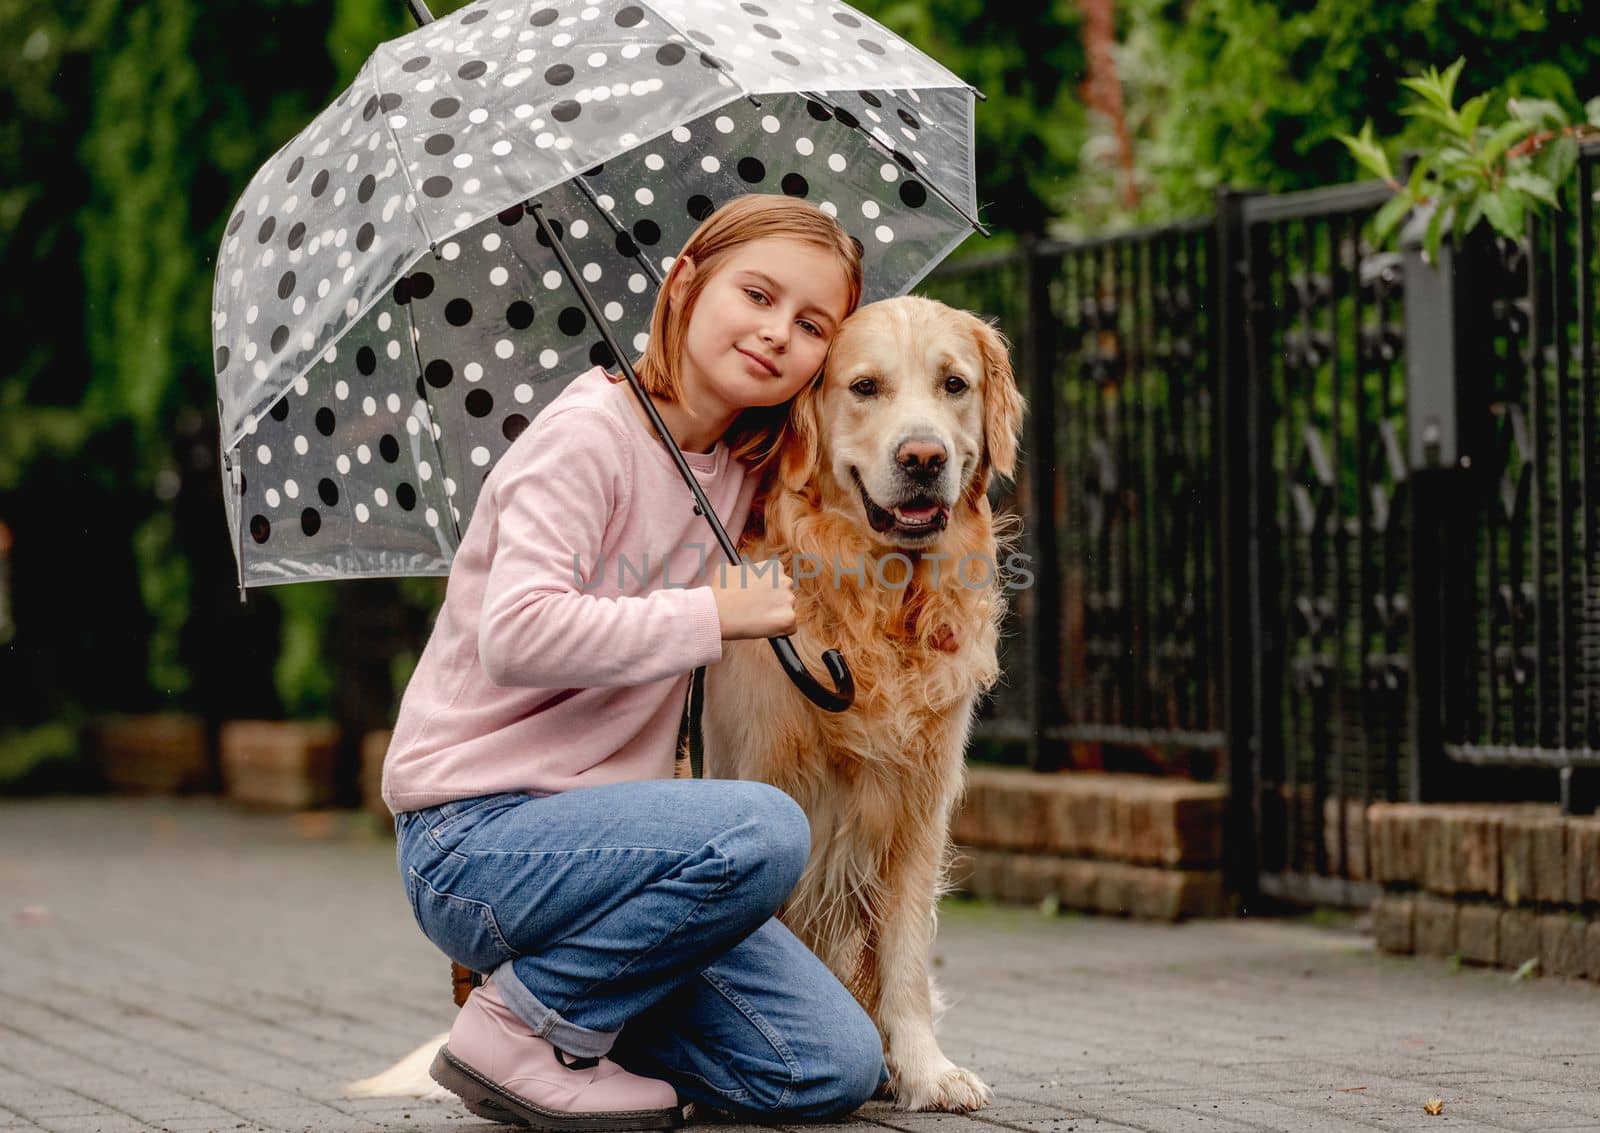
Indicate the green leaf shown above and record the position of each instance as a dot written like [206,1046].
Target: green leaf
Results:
[1471,112]
[1389,217]
[1591,111]
[1556,161]
[1508,135]
[1434,235]
[1367,153]
[1419,176]
[1499,214]
[1539,111]
[1469,218]
[1534,186]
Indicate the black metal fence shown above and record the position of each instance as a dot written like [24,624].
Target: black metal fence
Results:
[1317,514]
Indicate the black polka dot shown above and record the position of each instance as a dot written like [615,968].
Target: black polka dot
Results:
[406,496]
[416,64]
[445,107]
[909,118]
[869,98]
[904,162]
[795,185]
[328,492]
[368,186]
[480,403]
[473,70]
[295,167]
[647,232]
[700,206]
[296,235]
[818,111]
[439,144]
[596,171]
[520,315]
[754,9]
[514,426]
[571,321]
[629,16]
[389,448]
[319,183]
[439,373]
[310,521]
[873,46]
[473,17]
[913,194]
[626,246]
[280,409]
[364,236]
[389,102]
[233,225]
[670,54]
[366,360]
[421,284]
[751,170]
[846,118]
[438,186]
[458,312]
[222,358]
[600,355]
[565,110]
[369,109]
[711,61]
[510,216]
[260,529]
[325,422]
[544,17]
[402,290]
[286,285]
[702,37]
[557,227]
[847,19]
[280,339]
[559,75]
[264,233]
[786,59]
[769,31]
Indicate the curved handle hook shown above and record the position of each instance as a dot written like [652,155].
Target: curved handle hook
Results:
[823,698]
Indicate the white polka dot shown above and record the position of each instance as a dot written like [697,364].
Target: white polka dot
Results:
[491,242]
[449,486]
[363,454]
[830,208]
[613,311]
[523,393]
[804,147]
[579,229]
[770,124]
[681,134]
[461,160]
[424,471]
[591,272]
[500,148]
[263,455]
[432,517]
[640,341]
[597,60]
[499,275]
[869,209]
[393,349]
[412,427]
[472,186]
[480,456]
[384,321]
[653,161]
[472,371]
[369,406]
[710,164]
[392,403]
[302,386]
[552,279]
[889,171]
[836,162]
[643,195]
[548,359]
[341,389]
[522,111]
[301,445]
[380,497]
[478,117]
[724,125]
[504,349]
[884,233]
[252,314]
[545,140]
[361,513]
[342,464]
[271,496]
[637,283]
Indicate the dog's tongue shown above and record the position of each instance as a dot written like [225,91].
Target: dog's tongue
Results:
[916,516]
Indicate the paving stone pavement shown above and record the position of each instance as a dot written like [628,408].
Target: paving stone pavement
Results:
[174,964]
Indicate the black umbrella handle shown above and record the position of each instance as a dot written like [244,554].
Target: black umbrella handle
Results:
[419,12]
[844,691]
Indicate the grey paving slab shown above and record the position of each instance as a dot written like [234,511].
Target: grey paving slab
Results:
[179,965]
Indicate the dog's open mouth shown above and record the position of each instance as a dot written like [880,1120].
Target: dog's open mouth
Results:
[920,515]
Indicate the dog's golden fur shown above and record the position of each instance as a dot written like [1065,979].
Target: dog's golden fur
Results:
[880,780]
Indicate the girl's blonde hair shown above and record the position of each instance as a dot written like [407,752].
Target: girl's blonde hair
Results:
[757,434]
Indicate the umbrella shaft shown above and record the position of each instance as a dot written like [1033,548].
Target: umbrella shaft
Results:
[419,10]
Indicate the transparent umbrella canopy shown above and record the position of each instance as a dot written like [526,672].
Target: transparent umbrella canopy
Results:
[487,212]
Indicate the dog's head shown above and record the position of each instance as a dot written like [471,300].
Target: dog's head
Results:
[916,408]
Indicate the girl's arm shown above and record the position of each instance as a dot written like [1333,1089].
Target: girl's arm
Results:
[538,627]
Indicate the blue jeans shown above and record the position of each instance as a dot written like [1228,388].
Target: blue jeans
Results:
[648,904]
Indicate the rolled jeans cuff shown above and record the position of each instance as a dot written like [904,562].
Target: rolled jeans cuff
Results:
[546,1023]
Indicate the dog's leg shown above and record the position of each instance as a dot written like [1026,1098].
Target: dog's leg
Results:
[919,1073]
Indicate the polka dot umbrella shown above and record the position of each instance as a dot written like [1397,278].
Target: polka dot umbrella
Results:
[487,211]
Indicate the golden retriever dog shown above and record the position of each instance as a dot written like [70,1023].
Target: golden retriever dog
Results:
[881,516]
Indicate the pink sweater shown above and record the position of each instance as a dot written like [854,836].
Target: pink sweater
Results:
[576,607]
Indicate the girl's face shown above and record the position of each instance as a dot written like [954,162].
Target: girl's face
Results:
[761,325]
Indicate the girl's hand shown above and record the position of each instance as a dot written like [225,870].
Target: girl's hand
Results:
[754,600]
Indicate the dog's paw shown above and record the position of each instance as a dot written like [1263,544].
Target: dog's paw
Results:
[952,1089]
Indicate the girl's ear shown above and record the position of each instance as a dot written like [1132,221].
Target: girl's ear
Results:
[801,446]
[678,278]
[1002,406]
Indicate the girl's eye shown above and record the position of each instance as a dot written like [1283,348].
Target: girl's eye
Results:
[755,295]
[953,384]
[864,387]
[811,328]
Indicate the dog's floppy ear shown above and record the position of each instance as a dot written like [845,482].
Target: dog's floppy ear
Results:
[1002,405]
[801,445]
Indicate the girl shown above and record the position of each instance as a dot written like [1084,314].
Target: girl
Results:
[541,838]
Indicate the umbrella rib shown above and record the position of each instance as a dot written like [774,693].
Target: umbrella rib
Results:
[400,154]
[899,158]
[616,227]
[433,438]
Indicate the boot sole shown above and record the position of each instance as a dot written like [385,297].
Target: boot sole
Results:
[487,1100]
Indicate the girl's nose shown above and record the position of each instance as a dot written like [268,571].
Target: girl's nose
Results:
[775,336]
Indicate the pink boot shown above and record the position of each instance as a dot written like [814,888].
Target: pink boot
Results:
[504,1072]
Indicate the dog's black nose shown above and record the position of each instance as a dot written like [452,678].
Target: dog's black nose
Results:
[921,458]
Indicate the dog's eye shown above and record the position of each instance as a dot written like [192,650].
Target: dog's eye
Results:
[953,384]
[864,387]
